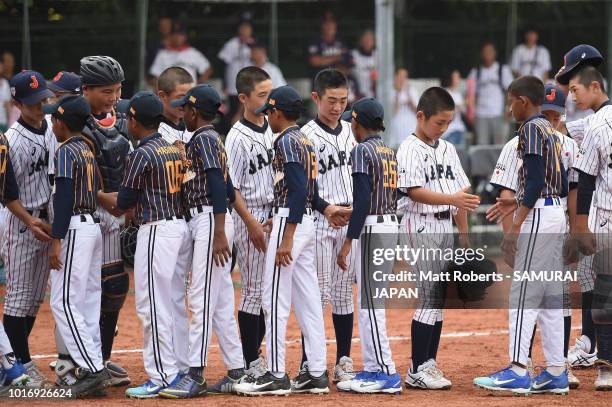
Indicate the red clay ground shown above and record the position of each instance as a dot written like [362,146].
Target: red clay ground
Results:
[473,344]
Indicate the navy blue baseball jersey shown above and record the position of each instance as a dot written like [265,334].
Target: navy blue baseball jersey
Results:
[74,159]
[375,159]
[536,136]
[206,152]
[8,185]
[293,146]
[155,170]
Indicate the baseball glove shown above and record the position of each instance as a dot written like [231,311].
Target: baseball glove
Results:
[128,243]
[473,278]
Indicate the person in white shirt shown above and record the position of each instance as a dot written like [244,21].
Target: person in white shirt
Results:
[455,133]
[487,86]
[259,57]
[530,58]
[406,98]
[364,58]
[180,53]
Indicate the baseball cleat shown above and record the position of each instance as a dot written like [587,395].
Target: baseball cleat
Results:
[268,384]
[256,369]
[119,376]
[65,371]
[378,382]
[604,379]
[427,377]
[579,356]
[343,371]
[37,379]
[571,378]
[148,389]
[186,388]
[359,378]
[547,383]
[90,384]
[505,380]
[15,376]
[226,384]
[304,382]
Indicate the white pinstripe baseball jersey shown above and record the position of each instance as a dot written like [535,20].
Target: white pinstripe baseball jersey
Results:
[30,151]
[249,159]
[505,173]
[333,149]
[436,168]
[575,129]
[595,155]
[172,133]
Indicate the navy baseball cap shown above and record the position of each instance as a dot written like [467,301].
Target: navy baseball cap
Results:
[29,88]
[72,109]
[580,55]
[66,82]
[368,112]
[283,98]
[145,106]
[202,97]
[554,99]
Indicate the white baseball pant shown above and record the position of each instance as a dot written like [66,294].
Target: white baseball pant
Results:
[5,344]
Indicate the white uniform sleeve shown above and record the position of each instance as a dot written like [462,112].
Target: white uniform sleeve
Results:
[505,173]
[588,154]
[576,130]
[236,158]
[14,156]
[462,180]
[410,167]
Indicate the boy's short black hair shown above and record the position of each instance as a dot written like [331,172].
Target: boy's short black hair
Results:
[435,100]
[329,78]
[209,117]
[248,78]
[530,87]
[291,116]
[170,77]
[589,74]
[72,126]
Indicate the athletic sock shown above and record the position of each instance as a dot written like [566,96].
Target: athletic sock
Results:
[555,370]
[249,335]
[343,327]
[197,373]
[567,330]
[421,338]
[588,328]
[17,331]
[519,370]
[531,342]
[435,341]
[304,357]
[108,324]
[604,342]
[262,329]
[30,324]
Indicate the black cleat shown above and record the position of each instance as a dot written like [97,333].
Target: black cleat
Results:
[90,384]
[267,384]
[304,382]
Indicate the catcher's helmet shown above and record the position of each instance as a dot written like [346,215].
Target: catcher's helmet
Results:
[100,70]
[128,243]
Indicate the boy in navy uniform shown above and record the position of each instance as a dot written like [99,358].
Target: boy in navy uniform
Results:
[374,169]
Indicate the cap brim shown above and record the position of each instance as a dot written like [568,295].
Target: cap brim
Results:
[565,74]
[262,109]
[57,89]
[123,105]
[50,108]
[555,108]
[347,116]
[178,102]
[37,97]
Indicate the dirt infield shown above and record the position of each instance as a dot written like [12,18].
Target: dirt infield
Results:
[474,343]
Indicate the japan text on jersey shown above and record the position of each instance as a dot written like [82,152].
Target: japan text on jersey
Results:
[536,136]
[293,146]
[373,158]
[249,160]
[333,149]
[155,170]
[205,151]
[75,160]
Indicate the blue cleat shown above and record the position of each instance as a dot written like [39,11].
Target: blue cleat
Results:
[187,388]
[547,383]
[148,389]
[379,383]
[359,378]
[505,380]
[15,376]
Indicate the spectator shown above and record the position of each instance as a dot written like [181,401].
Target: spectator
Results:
[327,50]
[162,41]
[8,61]
[180,53]
[346,66]
[5,100]
[487,86]
[259,56]
[406,98]
[364,57]
[456,130]
[530,58]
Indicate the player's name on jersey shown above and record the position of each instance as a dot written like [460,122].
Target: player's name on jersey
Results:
[165,150]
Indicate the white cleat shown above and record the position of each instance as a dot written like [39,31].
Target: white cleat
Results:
[344,370]
[428,377]
[578,355]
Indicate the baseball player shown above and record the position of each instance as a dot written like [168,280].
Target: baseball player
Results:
[542,183]
[373,222]
[152,184]
[333,142]
[12,372]
[64,84]
[290,278]
[249,158]
[433,188]
[106,130]
[505,178]
[211,301]
[593,164]
[26,238]
[75,255]
[173,83]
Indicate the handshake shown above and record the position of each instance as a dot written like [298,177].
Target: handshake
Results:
[337,216]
